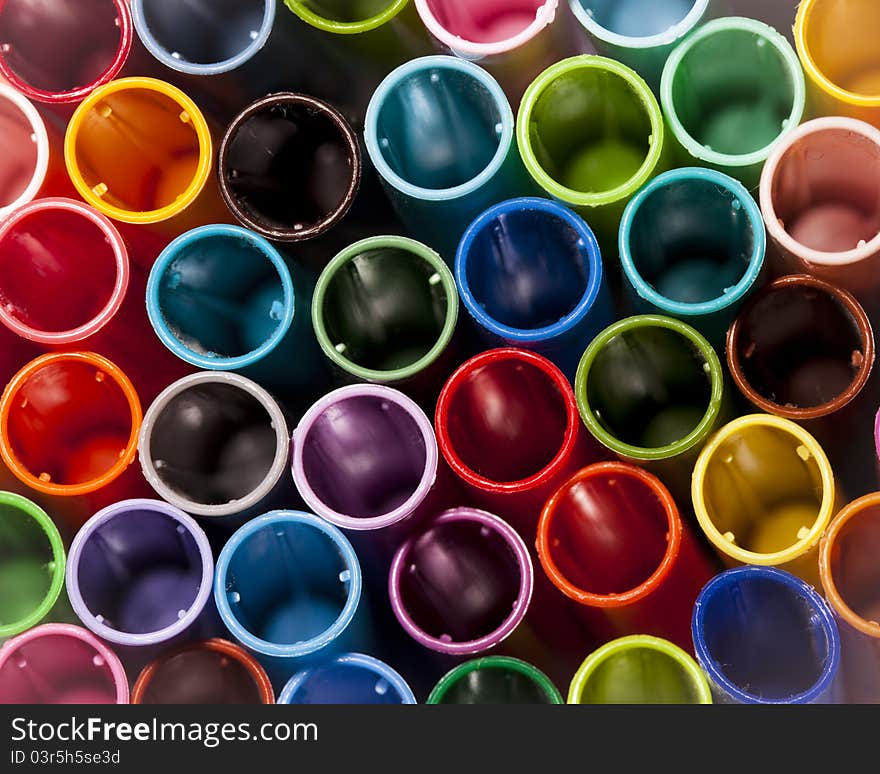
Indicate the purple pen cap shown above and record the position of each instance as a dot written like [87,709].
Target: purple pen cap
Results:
[461,584]
[60,664]
[216,444]
[364,457]
[140,573]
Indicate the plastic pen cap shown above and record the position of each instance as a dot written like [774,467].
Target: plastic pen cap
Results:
[764,636]
[364,457]
[352,678]
[32,561]
[60,664]
[214,445]
[729,91]
[461,584]
[64,271]
[763,492]
[25,146]
[203,38]
[138,150]
[69,423]
[495,680]
[639,670]
[140,573]
[61,52]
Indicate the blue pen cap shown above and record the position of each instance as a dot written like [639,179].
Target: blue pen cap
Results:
[692,244]
[529,272]
[288,586]
[639,33]
[352,678]
[764,636]
[440,133]
[224,299]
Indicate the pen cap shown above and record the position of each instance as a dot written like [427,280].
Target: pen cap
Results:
[288,585]
[289,167]
[821,205]
[590,133]
[763,492]
[139,574]
[639,33]
[198,37]
[60,664]
[61,52]
[836,45]
[351,678]
[651,390]
[851,582]
[612,539]
[512,39]
[692,246]
[216,445]
[63,271]
[139,151]
[530,275]
[458,112]
[729,91]
[495,680]
[385,310]
[639,670]
[25,146]
[764,636]
[208,672]
[508,427]
[365,457]
[32,562]
[462,583]
[69,423]
[223,298]
[376,34]
[801,348]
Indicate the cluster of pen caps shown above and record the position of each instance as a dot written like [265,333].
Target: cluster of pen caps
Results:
[594,434]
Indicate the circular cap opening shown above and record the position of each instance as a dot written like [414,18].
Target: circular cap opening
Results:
[63,271]
[290,167]
[836,42]
[214,444]
[765,636]
[385,308]
[495,680]
[31,564]
[140,572]
[60,664]
[529,266]
[229,33]
[56,52]
[69,423]
[138,150]
[763,490]
[731,89]
[609,535]
[463,584]
[649,387]
[451,107]
[590,131]
[506,419]
[305,596]
[692,241]
[365,457]
[813,358]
